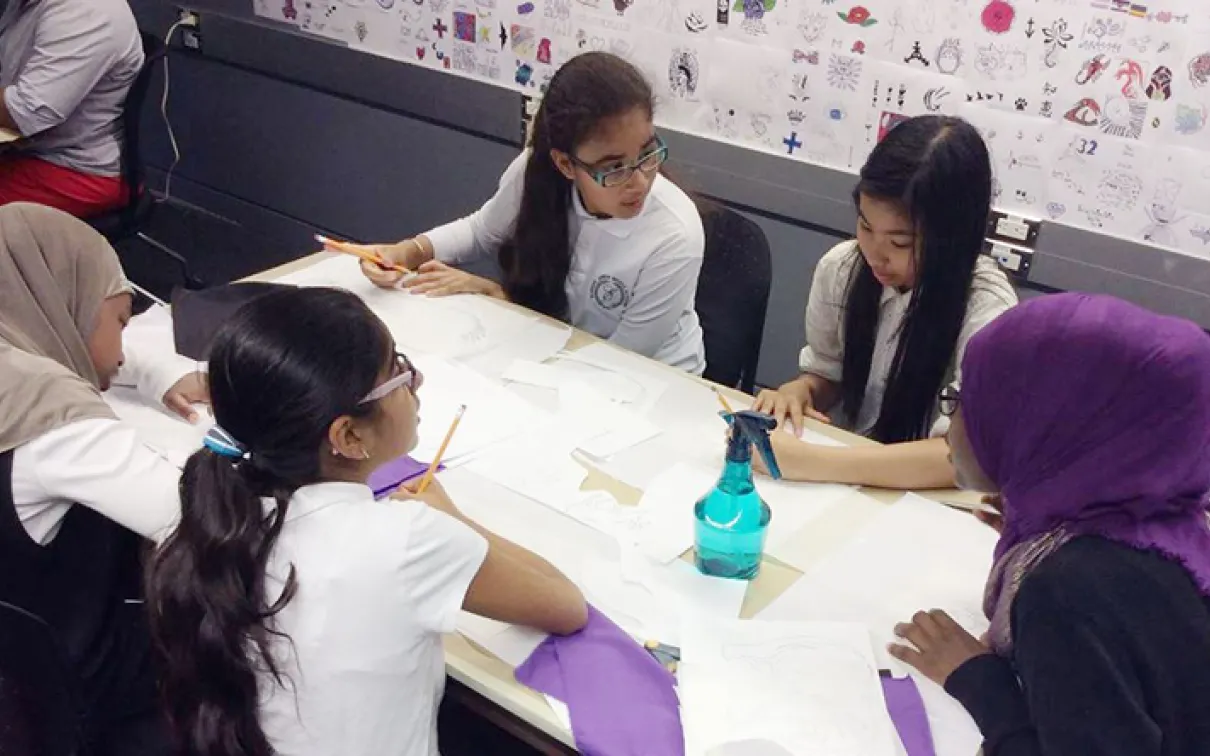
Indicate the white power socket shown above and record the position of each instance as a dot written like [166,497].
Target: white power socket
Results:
[188,19]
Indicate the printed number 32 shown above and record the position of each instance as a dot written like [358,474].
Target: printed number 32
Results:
[1087,147]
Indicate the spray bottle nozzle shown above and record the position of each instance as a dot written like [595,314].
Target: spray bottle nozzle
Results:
[748,429]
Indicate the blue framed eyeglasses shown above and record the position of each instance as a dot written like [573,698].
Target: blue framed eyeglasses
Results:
[406,375]
[649,162]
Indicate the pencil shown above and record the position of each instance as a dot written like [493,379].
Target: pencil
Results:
[449,435]
[352,249]
[723,401]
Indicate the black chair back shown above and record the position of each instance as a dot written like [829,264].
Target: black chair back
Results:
[39,690]
[132,114]
[733,296]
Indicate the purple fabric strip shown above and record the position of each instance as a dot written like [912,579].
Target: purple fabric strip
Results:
[622,702]
[394,474]
[907,711]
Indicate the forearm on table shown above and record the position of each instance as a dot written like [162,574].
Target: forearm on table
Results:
[912,465]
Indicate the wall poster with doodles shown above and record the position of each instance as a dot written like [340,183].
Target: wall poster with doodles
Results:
[1096,112]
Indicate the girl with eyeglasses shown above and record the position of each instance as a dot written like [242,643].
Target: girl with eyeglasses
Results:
[292,613]
[889,314]
[583,225]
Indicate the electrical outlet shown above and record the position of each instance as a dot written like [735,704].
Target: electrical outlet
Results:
[188,19]
[1016,261]
[192,39]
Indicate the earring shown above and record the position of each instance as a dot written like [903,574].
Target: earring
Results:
[365,454]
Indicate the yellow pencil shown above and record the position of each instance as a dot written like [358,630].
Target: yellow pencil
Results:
[449,435]
[723,401]
[352,249]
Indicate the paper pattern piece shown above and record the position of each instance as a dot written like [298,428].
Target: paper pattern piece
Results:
[823,81]
[917,555]
[804,687]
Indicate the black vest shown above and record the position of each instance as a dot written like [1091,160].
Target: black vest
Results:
[85,584]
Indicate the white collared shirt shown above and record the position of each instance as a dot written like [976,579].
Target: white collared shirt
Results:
[632,281]
[379,583]
[990,295]
[104,464]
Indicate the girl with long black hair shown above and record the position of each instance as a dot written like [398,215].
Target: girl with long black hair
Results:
[292,613]
[583,225]
[889,315]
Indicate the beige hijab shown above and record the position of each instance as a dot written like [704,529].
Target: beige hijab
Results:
[55,271]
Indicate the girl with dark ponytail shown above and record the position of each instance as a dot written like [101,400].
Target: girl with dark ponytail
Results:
[291,612]
[889,315]
[583,225]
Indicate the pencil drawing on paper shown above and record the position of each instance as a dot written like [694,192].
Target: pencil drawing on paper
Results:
[683,72]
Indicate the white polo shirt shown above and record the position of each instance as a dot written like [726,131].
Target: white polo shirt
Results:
[379,583]
[990,295]
[632,281]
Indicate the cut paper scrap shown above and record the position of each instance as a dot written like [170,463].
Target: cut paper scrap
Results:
[535,343]
[492,415]
[807,687]
[448,326]
[608,428]
[612,371]
[511,643]
[651,600]
[167,435]
[916,555]
[622,701]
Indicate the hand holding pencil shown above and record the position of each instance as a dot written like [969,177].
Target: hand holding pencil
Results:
[384,264]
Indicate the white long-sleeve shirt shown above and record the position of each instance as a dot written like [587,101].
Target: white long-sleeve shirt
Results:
[632,281]
[990,295]
[104,464]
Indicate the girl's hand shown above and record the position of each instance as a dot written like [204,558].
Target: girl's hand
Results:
[995,521]
[797,459]
[188,391]
[941,645]
[790,403]
[436,279]
[409,253]
[434,496]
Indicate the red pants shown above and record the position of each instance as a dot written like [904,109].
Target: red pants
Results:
[28,179]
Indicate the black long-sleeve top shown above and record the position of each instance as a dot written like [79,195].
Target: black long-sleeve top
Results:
[1111,657]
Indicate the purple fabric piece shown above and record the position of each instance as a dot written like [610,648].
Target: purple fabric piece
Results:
[907,711]
[1092,417]
[392,475]
[622,701]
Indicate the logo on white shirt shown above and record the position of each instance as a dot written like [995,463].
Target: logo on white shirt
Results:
[610,293]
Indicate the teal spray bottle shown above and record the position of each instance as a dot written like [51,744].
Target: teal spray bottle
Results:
[731,521]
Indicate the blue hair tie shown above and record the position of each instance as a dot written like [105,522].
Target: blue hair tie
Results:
[224,444]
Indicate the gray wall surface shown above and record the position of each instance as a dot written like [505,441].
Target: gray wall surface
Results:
[288,134]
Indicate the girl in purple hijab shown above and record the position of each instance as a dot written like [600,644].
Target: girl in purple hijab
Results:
[1091,418]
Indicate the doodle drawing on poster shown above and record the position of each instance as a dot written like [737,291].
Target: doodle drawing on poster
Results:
[524,41]
[1159,89]
[934,99]
[464,26]
[1130,78]
[754,15]
[1055,38]
[949,55]
[812,25]
[917,55]
[621,5]
[1123,118]
[683,72]
[1190,120]
[844,72]
[1092,69]
[888,121]
[858,15]
[1199,70]
[1162,212]
[999,62]
[1086,112]
[1119,189]
[998,16]
[792,142]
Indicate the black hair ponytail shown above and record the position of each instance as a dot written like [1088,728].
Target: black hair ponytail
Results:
[281,371]
[939,170]
[588,89]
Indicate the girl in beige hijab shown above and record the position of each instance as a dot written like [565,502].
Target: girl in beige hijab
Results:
[77,487]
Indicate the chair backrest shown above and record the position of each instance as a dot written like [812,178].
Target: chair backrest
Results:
[38,684]
[733,295]
[132,113]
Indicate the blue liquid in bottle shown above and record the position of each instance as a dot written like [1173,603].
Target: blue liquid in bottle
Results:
[731,523]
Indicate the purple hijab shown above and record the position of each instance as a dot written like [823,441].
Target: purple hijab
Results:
[1092,416]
